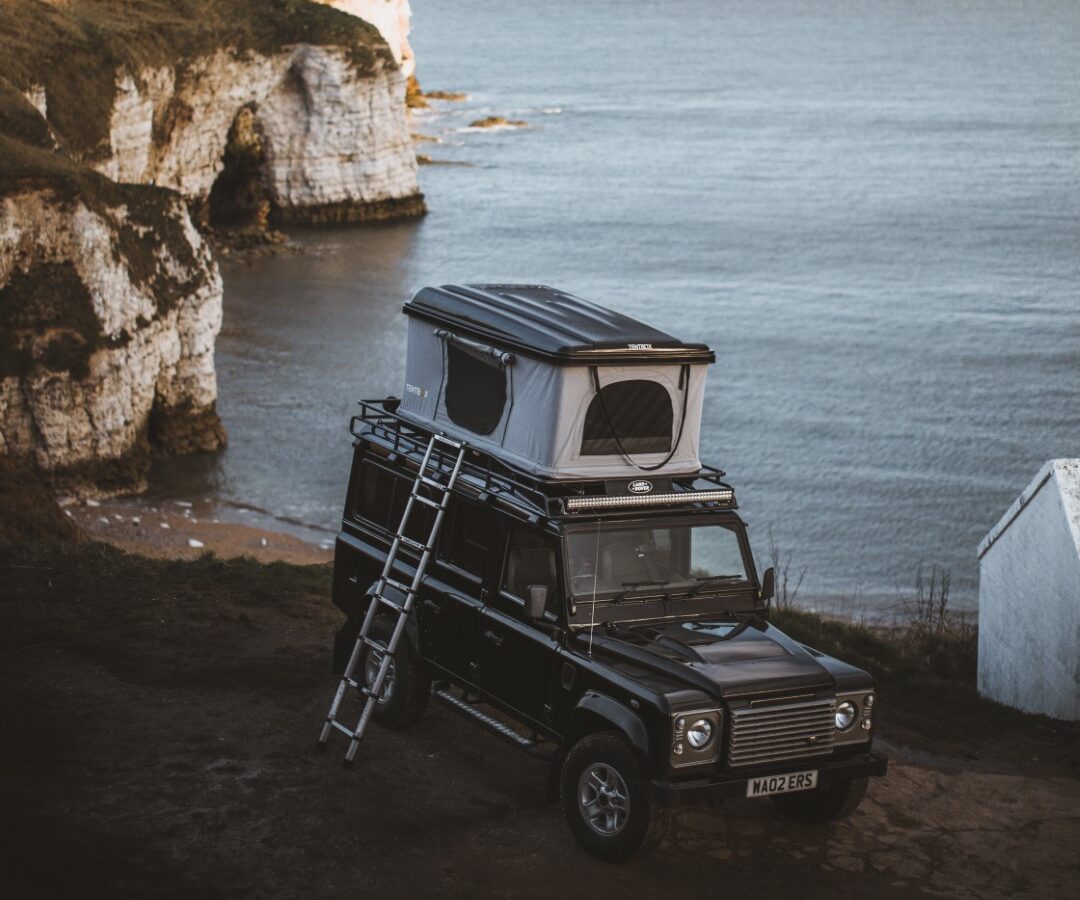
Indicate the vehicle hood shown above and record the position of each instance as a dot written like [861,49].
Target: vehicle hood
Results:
[726,660]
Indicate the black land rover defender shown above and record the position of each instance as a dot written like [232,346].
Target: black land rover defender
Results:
[620,623]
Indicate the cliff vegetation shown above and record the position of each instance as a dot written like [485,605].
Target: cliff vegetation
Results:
[74,50]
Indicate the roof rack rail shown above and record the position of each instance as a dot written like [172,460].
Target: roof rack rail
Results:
[379,418]
[489,474]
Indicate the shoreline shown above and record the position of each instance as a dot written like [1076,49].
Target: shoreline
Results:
[180,529]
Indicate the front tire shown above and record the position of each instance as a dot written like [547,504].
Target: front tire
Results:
[407,686]
[835,801]
[605,797]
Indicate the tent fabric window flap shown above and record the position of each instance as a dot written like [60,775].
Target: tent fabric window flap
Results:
[475,392]
[633,416]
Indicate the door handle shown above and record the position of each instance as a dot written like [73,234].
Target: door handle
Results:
[432,605]
[493,637]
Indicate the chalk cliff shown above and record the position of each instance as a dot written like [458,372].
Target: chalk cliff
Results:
[335,138]
[393,18]
[108,313]
[116,124]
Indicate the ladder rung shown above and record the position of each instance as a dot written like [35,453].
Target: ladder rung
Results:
[431,482]
[415,545]
[388,602]
[373,644]
[351,682]
[404,588]
[342,728]
[443,439]
[426,501]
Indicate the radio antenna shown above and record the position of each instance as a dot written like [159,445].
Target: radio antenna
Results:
[595,575]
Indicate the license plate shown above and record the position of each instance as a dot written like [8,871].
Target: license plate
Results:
[781,784]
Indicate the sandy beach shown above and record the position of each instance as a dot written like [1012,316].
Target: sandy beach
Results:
[178,529]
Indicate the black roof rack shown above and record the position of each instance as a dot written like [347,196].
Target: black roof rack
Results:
[488,475]
[549,324]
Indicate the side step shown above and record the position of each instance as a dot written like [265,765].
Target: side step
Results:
[492,724]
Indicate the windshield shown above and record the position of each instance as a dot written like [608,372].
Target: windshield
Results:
[618,562]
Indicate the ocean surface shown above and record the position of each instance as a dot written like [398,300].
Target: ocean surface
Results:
[871,210]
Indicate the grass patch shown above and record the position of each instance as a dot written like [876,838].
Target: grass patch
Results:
[59,592]
[28,509]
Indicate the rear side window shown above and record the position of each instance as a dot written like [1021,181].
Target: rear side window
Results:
[639,413]
[475,390]
[381,499]
[465,537]
[375,495]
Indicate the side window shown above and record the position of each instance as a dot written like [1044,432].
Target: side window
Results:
[380,500]
[530,559]
[475,390]
[637,411]
[375,495]
[465,537]
[421,518]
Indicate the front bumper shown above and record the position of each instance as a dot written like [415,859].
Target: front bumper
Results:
[704,790]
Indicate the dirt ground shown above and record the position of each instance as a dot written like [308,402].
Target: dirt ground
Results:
[158,741]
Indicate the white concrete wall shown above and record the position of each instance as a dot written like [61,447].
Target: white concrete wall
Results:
[1029,598]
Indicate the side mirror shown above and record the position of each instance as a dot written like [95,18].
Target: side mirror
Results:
[536,602]
[768,585]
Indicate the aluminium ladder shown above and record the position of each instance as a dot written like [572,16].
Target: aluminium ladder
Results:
[368,644]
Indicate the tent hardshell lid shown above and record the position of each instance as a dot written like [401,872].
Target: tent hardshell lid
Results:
[549,324]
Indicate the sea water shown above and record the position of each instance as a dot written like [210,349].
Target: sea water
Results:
[871,210]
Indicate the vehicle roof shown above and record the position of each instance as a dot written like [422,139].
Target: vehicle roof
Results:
[550,324]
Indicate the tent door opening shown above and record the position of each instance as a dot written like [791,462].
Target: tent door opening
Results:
[633,416]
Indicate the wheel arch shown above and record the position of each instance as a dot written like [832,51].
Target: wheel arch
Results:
[595,712]
[350,630]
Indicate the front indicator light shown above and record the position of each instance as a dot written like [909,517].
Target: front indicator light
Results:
[845,716]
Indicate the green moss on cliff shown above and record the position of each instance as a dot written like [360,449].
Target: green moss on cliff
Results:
[74,50]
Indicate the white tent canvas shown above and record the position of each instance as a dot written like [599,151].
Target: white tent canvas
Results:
[543,413]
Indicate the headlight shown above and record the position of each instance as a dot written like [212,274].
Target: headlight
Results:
[845,715]
[700,734]
[695,737]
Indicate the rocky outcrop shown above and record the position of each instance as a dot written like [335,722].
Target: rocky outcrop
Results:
[116,123]
[335,137]
[108,312]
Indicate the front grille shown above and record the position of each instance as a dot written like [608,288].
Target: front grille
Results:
[772,734]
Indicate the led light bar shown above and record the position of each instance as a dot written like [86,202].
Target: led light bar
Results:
[720,495]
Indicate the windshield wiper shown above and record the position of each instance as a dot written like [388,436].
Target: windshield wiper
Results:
[708,579]
[634,585]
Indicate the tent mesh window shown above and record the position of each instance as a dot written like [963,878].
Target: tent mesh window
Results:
[640,413]
[475,390]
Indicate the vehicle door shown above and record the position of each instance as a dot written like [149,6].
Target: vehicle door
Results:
[518,658]
[453,591]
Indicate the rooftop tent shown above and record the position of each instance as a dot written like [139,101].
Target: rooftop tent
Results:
[553,384]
